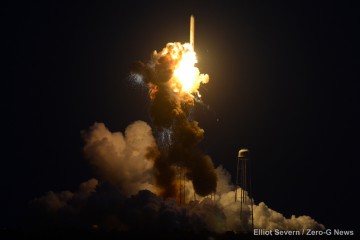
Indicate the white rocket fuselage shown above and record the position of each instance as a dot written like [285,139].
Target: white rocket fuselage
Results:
[192,30]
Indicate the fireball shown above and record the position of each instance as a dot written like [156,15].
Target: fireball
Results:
[186,76]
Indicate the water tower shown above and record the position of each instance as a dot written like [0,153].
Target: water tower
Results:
[243,184]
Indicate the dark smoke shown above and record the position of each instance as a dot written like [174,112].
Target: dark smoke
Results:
[103,206]
[170,112]
[100,205]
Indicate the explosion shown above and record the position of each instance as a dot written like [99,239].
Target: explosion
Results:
[174,82]
[134,165]
[186,77]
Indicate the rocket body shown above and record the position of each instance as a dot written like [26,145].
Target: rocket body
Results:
[192,30]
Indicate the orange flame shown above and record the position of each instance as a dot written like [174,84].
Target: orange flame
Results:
[186,77]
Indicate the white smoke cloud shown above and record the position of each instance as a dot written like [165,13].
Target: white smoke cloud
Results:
[264,217]
[121,158]
[109,209]
[53,201]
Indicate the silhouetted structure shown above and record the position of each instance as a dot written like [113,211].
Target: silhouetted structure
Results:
[182,182]
[243,180]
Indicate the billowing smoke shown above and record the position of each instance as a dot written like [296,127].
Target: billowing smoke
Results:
[138,187]
[171,104]
[101,205]
[122,159]
[264,217]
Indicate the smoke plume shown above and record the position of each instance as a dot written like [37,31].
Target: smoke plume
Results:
[138,186]
[170,109]
[101,205]
[125,198]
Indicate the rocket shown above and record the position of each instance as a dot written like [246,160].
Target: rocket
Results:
[192,30]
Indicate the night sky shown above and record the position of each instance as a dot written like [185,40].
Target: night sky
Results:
[284,83]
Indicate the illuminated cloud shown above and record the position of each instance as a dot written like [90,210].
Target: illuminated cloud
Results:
[105,206]
[122,159]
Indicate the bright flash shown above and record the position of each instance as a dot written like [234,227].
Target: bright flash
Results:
[186,72]
[186,77]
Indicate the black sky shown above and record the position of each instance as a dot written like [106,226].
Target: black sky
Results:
[283,83]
